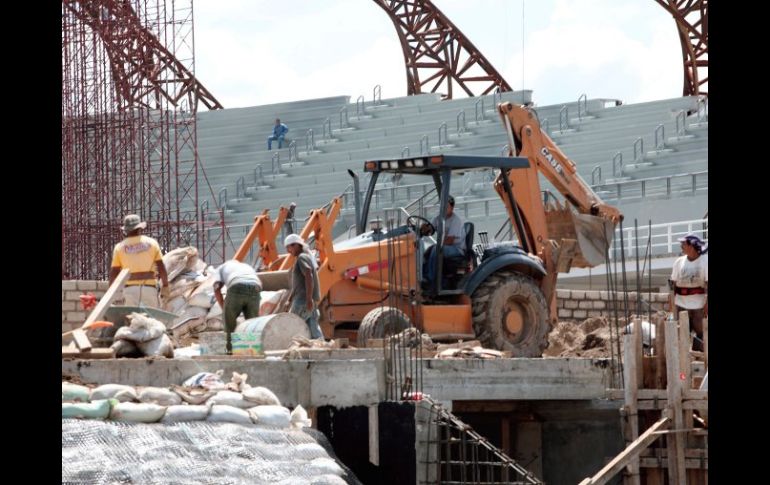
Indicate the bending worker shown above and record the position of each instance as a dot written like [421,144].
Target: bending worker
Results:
[243,287]
[139,254]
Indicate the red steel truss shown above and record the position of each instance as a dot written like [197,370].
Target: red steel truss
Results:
[129,144]
[691,18]
[437,54]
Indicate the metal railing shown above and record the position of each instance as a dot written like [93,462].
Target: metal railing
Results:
[497,97]
[660,137]
[461,126]
[360,106]
[405,152]
[662,238]
[344,122]
[680,123]
[564,118]
[617,165]
[309,140]
[506,150]
[545,126]
[596,169]
[582,108]
[293,157]
[259,178]
[275,163]
[660,187]
[426,151]
[476,110]
[703,109]
[327,127]
[222,198]
[639,149]
[377,95]
[240,188]
[445,140]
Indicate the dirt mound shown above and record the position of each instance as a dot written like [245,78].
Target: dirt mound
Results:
[589,338]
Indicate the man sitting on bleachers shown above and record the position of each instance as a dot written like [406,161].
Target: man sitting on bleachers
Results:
[279,132]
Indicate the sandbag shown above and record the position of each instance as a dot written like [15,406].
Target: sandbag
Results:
[260,396]
[299,418]
[74,393]
[230,398]
[161,346]
[118,391]
[203,296]
[228,414]
[185,412]
[160,396]
[270,301]
[137,412]
[277,416]
[325,466]
[123,347]
[141,328]
[206,380]
[180,260]
[97,409]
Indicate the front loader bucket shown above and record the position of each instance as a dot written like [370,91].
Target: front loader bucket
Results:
[593,235]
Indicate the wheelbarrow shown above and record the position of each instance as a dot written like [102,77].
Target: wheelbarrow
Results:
[117,314]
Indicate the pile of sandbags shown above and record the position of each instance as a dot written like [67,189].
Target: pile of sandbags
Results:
[202,397]
[191,285]
[144,335]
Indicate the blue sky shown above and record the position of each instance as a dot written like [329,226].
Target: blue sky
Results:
[252,52]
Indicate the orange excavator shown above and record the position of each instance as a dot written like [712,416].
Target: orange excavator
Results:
[503,294]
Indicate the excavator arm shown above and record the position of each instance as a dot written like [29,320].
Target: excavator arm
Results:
[265,231]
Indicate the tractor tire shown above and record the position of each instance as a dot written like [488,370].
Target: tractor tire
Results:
[511,313]
[382,322]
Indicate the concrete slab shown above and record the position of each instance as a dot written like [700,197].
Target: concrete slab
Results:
[362,381]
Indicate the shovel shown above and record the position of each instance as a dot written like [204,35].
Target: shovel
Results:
[90,326]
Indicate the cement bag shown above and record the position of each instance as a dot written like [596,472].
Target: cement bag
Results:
[215,319]
[175,304]
[299,418]
[260,396]
[161,346]
[309,451]
[74,392]
[206,380]
[137,412]
[203,296]
[185,412]
[270,300]
[98,409]
[141,328]
[118,391]
[228,414]
[179,260]
[230,398]
[277,416]
[123,347]
[327,479]
[160,396]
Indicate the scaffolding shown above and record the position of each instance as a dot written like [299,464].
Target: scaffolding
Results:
[129,145]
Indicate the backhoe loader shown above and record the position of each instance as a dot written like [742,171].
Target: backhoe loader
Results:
[503,294]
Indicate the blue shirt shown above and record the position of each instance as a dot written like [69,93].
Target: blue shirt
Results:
[279,130]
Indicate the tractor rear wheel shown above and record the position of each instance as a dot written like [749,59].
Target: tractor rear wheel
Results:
[382,322]
[510,313]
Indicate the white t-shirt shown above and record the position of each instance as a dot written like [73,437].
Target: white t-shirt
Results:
[690,274]
[234,272]
[453,226]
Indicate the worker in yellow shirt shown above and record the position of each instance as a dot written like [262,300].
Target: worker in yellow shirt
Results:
[140,254]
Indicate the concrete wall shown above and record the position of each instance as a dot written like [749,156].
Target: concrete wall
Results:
[72,313]
[581,304]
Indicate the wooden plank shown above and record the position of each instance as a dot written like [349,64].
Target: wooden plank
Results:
[458,345]
[689,463]
[632,451]
[660,355]
[374,435]
[375,343]
[98,353]
[685,367]
[98,312]
[631,389]
[638,352]
[675,442]
[81,340]
[660,394]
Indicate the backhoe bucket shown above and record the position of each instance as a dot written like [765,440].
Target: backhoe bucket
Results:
[593,235]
